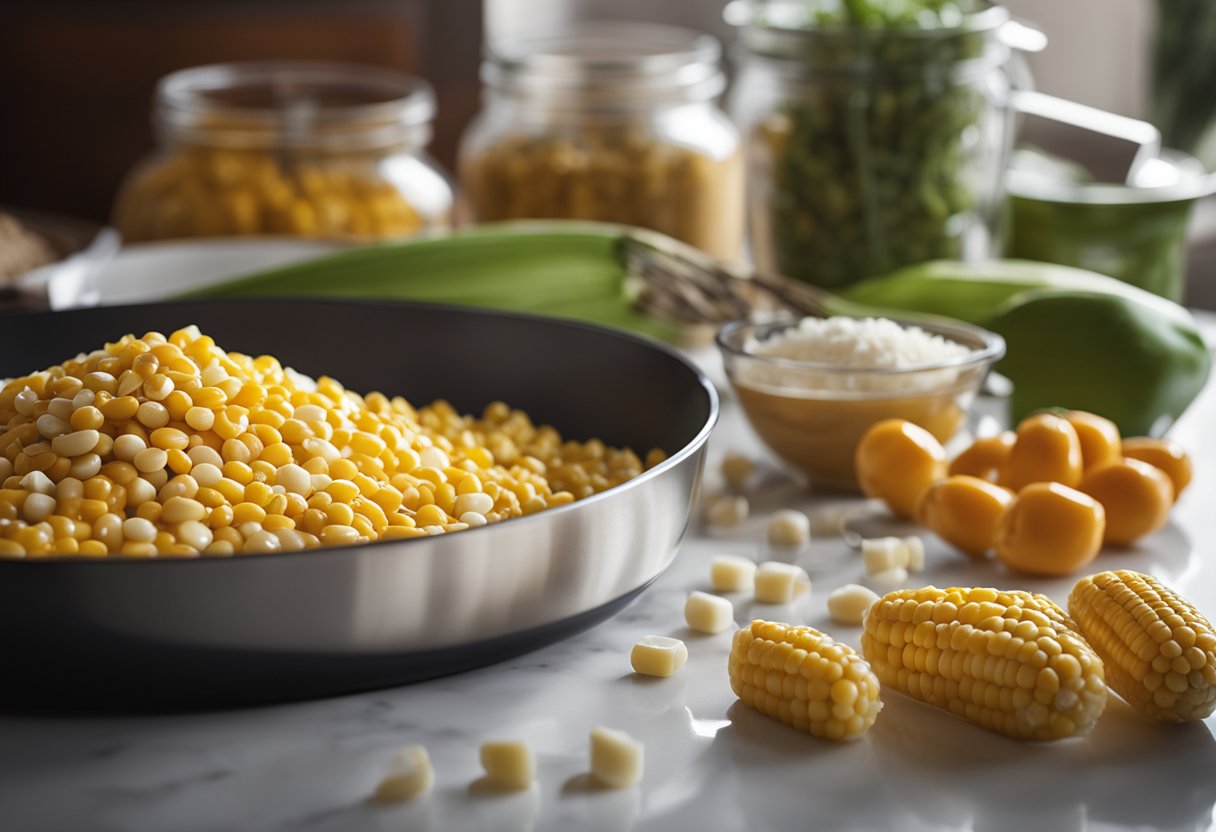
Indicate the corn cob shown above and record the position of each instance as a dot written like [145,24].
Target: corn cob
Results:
[801,677]
[1006,661]
[1160,653]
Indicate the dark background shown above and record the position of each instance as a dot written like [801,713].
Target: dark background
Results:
[77,76]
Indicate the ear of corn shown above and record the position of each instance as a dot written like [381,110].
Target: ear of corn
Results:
[1160,653]
[801,677]
[567,271]
[1009,662]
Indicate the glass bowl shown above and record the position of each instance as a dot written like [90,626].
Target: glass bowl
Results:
[813,415]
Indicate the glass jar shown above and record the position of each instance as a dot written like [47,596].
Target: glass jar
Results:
[871,148]
[286,148]
[614,122]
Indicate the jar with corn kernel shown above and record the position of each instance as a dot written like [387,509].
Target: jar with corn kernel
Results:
[611,122]
[287,148]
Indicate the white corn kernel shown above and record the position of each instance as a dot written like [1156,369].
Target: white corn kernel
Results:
[206,474]
[658,655]
[180,509]
[152,415]
[261,542]
[76,443]
[707,613]
[780,583]
[138,530]
[848,604]
[295,479]
[914,549]
[38,482]
[508,765]
[150,459]
[433,457]
[726,511]
[201,454]
[477,502]
[127,446]
[731,573]
[37,507]
[880,554]
[140,491]
[737,469]
[409,776]
[889,579]
[194,533]
[473,519]
[50,425]
[616,758]
[85,467]
[788,527]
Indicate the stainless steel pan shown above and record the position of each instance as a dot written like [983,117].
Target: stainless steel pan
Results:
[224,631]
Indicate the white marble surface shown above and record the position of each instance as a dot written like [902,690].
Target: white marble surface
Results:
[711,764]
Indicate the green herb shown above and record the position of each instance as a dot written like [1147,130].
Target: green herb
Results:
[887,148]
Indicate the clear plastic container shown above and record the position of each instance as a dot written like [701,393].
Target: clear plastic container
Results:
[284,148]
[870,148]
[614,122]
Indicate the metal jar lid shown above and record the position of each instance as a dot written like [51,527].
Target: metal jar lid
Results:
[601,61]
[295,103]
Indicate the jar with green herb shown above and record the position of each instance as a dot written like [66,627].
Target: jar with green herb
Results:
[877,133]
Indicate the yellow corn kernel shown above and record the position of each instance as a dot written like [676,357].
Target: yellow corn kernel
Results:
[1010,662]
[431,515]
[897,461]
[1159,651]
[801,677]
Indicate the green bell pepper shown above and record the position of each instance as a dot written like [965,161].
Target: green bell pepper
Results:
[1074,339]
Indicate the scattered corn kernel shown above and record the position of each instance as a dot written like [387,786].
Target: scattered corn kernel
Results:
[731,573]
[914,548]
[889,579]
[508,765]
[799,676]
[1099,438]
[726,510]
[707,613]
[1047,450]
[788,527]
[881,554]
[985,457]
[896,462]
[780,583]
[849,603]
[965,512]
[1010,662]
[1159,651]
[658,655]
[1050,529]
[409,776]
[616,758]
[1136,496]
[737,469]
[1165,454]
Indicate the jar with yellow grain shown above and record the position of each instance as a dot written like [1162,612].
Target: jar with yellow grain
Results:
[611,122]
[300,149]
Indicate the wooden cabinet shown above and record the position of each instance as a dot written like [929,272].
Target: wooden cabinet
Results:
[76,78]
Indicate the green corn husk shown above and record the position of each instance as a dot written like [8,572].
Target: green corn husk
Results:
[568,271]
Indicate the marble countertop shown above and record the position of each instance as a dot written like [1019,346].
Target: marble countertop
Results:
[711,763]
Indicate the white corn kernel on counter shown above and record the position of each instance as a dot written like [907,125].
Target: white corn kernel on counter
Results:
[711,762]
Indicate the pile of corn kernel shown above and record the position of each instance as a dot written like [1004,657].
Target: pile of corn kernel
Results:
[160,446]
[203,191]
